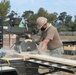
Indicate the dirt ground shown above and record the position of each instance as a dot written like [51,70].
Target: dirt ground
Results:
[63,38]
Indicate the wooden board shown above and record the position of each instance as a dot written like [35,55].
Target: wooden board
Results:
[48,58]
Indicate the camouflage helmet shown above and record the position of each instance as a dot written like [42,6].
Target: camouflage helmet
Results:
[41,21]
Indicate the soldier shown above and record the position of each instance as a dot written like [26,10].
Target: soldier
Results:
[51,43]
[49,37]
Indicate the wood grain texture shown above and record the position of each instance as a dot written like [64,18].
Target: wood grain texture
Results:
[49,59]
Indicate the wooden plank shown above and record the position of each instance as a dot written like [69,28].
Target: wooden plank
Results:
[49,58]
[55,59]
[24,57]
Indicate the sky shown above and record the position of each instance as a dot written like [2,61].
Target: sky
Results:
[51,6]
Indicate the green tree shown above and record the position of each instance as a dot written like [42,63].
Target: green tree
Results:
[52,18]
[72,26]
[27,18]
[32,21]
[68,19]
[27,14]
[12,14]
[75,18]
[4,8]
[62,17]
[56,19]
[42,12]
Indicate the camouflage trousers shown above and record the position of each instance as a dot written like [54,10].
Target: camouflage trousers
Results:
[55,52]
